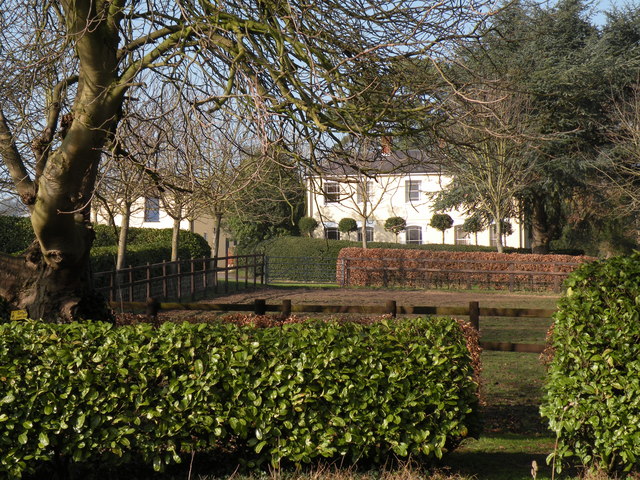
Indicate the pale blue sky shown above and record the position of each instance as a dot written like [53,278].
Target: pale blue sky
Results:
[604,5]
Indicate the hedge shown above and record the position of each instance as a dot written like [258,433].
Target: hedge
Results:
[383,267]
[300,392]
[16,234]
[146,245]
[592,397]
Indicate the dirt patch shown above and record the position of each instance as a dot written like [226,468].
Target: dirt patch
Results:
[350,296]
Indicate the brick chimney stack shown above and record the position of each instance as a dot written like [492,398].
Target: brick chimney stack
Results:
[386,146]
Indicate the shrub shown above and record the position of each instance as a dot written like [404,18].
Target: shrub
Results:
[307,225]
[388,266]
[347,225]
[293,393]
[395,225]
[16,234]
[442,222]
[593,388]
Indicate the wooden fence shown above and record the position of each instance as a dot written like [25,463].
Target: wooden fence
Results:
[435,272]
[286,308]
[181,279]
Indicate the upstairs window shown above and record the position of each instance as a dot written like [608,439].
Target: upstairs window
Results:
[412,190]
[364,191]
[331,192]
[152,209]
[414,234]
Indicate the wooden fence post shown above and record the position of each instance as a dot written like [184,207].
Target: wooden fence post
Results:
[392,308]
[192,282]
[148,280]
[152,309]
[260,306]
[286,308]
[474,314]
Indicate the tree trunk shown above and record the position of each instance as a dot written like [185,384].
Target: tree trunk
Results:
[122,239]
[364,234]
[63,292]
[175,239]
[540,231]
[216,235]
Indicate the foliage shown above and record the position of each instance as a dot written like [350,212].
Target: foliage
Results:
[16,234]
[271,207]
[441,221]
[295,393]
[307,225]
[150,245]
[347,225]
[395,225]
[473,224]
[593,389]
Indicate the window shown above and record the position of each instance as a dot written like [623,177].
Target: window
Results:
[369,234]
[462,237]
[331,233]
[331,192]
[152,209]
[364,191]
[412,190]
[414,235]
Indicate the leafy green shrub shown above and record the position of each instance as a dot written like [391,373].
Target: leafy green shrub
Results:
[293,393]
[146,245]
[16,234]
[307,225]
[347,225]
[593,388]
[106,236]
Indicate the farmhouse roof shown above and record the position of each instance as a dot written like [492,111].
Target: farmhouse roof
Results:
[399,162]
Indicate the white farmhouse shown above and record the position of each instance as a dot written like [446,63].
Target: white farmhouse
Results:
[403,188]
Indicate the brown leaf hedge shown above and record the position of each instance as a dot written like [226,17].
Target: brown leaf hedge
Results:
[381,267]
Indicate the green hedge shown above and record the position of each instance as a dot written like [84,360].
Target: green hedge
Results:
[16,234]
[321,248]
[146,245]
[593,390]
[299,392]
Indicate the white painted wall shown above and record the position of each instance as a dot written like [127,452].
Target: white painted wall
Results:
[388,192]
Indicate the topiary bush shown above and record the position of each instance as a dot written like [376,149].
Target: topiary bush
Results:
[307,225]
[592,400]
[297,392]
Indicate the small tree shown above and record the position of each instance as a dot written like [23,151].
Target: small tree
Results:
[473,225]
[442,222]
[348,225]
[307,225]
[395,225]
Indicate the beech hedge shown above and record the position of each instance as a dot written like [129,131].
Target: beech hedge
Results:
[592,400]
[299,392]
[386,266]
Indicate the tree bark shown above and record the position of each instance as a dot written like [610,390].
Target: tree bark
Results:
[122,239]
[541,234]
[175,239]
[216,235]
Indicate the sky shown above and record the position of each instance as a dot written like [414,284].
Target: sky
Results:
[605,5]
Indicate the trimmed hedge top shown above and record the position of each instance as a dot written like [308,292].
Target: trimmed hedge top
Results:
[293,393]
[593,388]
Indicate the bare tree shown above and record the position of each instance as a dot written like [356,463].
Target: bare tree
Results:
[71,68]
[485,152]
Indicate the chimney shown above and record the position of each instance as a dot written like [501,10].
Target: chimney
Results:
[386,146]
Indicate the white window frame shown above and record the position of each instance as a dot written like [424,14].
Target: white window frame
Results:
[413,228]
[331,192]
[369,234]
[461,237]
[334,231]
[412,190]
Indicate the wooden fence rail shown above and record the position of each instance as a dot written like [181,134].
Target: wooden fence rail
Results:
[181,279]
[260,307]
